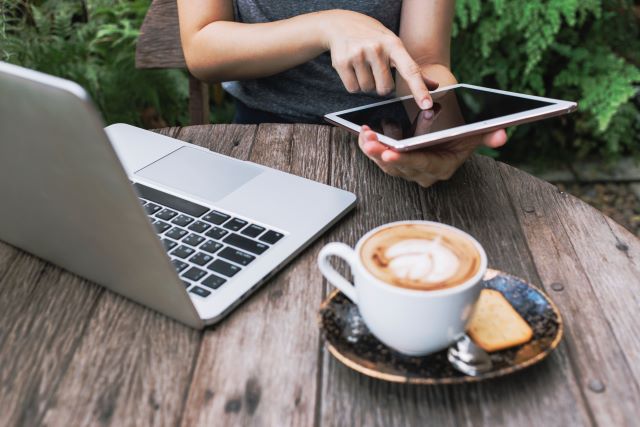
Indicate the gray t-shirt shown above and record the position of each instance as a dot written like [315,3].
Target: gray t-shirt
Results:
[306,92]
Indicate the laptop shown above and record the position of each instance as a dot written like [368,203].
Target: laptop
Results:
[173,226]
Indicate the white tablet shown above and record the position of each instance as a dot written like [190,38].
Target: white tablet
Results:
[458,110]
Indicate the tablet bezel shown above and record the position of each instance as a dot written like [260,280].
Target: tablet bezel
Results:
[557,107]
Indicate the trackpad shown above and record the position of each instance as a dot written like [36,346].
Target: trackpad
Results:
[203,174]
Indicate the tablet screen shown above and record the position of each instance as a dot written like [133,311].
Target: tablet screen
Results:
[452,107]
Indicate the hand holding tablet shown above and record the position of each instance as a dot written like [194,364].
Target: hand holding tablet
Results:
[458,111]
[428,166]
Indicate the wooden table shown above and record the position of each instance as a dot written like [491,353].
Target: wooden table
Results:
[72,353]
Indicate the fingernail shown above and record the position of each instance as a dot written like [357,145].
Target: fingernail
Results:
[427,114]
[426,104]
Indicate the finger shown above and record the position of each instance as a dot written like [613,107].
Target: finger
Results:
[373,148]
[348,77]
[365,77]
[381,73]
[412,74]
[425,120]
[403,162]
[495,139]
[417,163]
[369,144]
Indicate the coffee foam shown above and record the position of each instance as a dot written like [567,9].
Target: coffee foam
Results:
[420,256]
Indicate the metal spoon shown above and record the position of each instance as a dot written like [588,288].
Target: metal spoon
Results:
[468,358]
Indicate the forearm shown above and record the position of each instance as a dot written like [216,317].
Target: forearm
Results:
[225,50]
[437,72]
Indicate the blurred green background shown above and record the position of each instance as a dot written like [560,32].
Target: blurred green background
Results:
[588,51]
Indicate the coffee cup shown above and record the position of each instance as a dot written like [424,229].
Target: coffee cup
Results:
[415,282]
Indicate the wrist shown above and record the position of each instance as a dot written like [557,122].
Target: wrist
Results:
[440,73]
[324,26]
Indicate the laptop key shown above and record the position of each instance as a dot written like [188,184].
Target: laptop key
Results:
[170,201]
[183,251]
[215,217]
[200,258]
[213,281]
[211,246]
[166,214]
[182,220]
[224,268]
[199,226]
[194,273]
[186,284]
[168,244]
[193,239]
[179,265]
[271,237]
[161,226]
[216,233]
[200,291]
[176,233]
[236,256]
[235,224]
[151,208]
[253,230]
[246,244]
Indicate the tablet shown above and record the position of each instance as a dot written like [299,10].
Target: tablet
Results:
[459,110]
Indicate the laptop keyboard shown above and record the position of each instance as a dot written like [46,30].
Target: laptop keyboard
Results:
[207,246]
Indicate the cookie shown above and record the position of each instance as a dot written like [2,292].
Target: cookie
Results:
[495,324]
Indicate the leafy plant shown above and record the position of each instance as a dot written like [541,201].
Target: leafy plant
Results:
[93,43]
[588,51]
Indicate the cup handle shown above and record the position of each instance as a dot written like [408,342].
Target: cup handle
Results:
[336,279]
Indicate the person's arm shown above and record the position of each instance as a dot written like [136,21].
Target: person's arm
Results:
[363,51]
[216,48]
[425,29]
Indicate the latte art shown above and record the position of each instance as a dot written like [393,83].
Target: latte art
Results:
[422,260]
[420,257]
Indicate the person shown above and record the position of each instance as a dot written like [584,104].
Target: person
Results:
[294,61]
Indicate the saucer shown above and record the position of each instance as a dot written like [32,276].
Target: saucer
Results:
[349,340]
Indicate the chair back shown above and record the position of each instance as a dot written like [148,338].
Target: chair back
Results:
[159,47]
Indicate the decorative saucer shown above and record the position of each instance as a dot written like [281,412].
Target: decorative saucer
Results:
[349,340]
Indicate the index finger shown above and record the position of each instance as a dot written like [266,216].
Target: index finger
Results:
[412,74]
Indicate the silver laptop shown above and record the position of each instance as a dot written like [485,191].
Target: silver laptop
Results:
[173,226]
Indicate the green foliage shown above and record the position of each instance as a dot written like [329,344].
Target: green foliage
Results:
[582,50]
[93,43]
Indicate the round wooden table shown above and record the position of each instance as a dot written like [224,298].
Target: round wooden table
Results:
[72,353]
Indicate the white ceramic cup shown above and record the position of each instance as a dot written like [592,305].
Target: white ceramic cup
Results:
[413,322]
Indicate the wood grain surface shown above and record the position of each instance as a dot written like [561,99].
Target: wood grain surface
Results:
[72,353]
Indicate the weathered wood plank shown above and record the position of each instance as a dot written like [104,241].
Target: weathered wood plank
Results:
[595,352]
[474,201]
[43,315]
[133,367]
[159,43]
[259,366]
